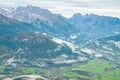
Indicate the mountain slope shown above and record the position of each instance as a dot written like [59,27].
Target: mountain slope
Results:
[20,43]
[14,27]
[107,48]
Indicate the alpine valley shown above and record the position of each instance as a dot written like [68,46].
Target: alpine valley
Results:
[36,44]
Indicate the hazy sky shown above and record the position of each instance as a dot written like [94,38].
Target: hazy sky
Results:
[69,7]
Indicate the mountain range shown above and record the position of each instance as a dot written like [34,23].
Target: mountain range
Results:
[31,37]
[46,21]
[79,28]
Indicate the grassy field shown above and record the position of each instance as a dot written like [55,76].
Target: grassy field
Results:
[74,75]
[29,70]
[2,68]
[96,66]
[111,75]
[97,70]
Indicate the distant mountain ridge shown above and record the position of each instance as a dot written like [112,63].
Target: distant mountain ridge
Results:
[77,29]
[46,21]
[95,26]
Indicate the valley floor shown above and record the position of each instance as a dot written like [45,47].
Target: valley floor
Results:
[96,69]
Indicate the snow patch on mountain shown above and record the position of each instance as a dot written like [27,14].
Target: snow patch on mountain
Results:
[117,44]
[108,48]
[69,44]
[80,58]
[97,43]
[87,50]
[44,34]
[65,61]
[20,50]
[58,48]
[98,55]
[73,36]
[11,60]
[6,9]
